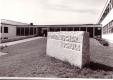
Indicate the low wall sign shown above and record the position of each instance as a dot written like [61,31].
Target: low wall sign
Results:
[70,46]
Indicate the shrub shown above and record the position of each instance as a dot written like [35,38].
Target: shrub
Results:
[2,47]
[103,42]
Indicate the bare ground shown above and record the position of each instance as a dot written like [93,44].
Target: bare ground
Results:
[29,60]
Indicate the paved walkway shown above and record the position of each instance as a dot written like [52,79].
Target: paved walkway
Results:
[1,53]
[19,41]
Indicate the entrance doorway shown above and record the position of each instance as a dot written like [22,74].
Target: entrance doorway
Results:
[98,32]
[44,32]
[90,30]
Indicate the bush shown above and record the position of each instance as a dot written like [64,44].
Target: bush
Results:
[103,42]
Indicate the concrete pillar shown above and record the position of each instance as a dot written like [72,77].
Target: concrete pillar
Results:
[93,32]
[33,30]
[73,28]
[29,31]
[47,30]
[24,31]
[86,29]
[20,31]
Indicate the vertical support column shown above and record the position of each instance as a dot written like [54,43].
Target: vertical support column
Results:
[29,31]
[73,28]
[1,29]
[24,31]
[107,29]
[86,29]
[33,31]
[37,31]
[47,30]
[93,32]
[20,31]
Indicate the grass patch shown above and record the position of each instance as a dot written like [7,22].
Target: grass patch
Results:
[29,59]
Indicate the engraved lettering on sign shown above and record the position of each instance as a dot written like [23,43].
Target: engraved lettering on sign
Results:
[69,42]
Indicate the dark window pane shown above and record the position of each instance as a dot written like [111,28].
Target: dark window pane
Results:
[70,28]
[51,29]
[112,30]
[57,29]
[5,29]
[31,31]
[83,29]
[90,30]
[97,31]
[22,31]
[26,31]
[63,28]
[34,30]
[76,29]
[18,31]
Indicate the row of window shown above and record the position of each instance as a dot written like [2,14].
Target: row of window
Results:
[108,28]
[4,29]
[94,31]
[107,10]
[25,31]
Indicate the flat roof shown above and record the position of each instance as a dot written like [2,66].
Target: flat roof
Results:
[66,25]
[10,22]
[102,16]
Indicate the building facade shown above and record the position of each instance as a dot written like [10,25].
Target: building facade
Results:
[13,29]
[106,19]
[41,30]
[108,28]
[8,28]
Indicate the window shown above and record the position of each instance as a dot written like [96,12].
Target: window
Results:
[34,30]
[31,30]
[26,31]
[5,29]
[18,31]
[112,30]
[22,31]
[63,28]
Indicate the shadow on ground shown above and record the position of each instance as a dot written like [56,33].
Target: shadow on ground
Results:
[98,66]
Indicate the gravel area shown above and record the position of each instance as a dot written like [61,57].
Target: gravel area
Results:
[29,59]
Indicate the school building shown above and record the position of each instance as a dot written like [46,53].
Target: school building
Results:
[13,29]
[106,19]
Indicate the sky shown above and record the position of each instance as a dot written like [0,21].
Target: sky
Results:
[44,12]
